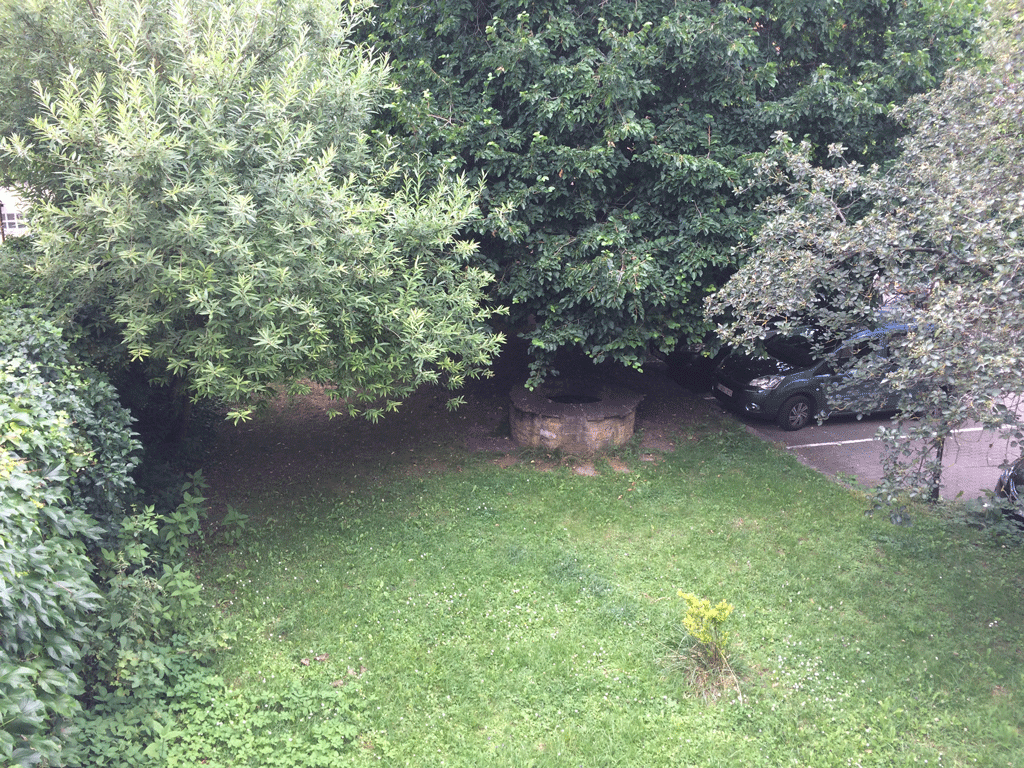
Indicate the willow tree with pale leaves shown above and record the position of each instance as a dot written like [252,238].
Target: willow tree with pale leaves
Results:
[202,182]
[936,240]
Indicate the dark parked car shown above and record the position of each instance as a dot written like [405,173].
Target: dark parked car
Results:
[790,386]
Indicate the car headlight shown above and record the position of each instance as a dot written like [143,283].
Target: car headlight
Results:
[767,382]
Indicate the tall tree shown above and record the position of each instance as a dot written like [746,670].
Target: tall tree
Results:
[201,178]
[611,135]
[936,237]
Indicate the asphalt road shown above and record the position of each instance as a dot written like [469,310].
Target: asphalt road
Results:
[845,445]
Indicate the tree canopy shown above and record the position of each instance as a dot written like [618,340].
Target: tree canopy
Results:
[611,136]
[202,180]
[936,238]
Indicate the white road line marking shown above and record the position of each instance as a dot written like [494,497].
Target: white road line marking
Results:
[837,442]
[869,440]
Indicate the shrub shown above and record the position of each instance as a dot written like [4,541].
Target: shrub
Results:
[706,664]
[704,623]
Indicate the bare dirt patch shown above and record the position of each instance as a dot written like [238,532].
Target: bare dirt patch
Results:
[294,445]
[618,465]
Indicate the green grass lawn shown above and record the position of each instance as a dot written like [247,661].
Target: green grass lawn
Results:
[515,617]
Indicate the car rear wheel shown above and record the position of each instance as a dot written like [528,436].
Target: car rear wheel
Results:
[1011,481]
[795,413]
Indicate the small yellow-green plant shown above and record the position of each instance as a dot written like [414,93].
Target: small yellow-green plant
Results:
[704,623]
[704,661]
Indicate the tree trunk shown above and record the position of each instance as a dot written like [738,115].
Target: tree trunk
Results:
[940,445]
[182,413]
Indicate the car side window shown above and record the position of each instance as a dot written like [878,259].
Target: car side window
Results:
[848,352]
[863,349]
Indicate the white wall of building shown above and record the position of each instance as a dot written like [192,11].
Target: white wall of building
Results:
[12,213]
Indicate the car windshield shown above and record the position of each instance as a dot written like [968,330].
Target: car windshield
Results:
[792,350]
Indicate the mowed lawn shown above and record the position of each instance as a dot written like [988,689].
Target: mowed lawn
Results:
[517,616]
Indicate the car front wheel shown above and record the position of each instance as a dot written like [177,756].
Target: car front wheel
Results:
[795,413]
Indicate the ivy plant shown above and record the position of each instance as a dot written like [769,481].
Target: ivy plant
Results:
[66,456]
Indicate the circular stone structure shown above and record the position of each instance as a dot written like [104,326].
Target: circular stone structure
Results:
[575,416]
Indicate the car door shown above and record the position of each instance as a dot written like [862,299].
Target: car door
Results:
[854,392]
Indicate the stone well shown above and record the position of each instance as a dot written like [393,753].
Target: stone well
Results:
[575,416]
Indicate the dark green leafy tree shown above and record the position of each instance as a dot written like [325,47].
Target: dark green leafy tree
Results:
[935,239]
[611,135]
[202,182]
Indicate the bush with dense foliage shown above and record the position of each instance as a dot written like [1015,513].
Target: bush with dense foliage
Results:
[66,454]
